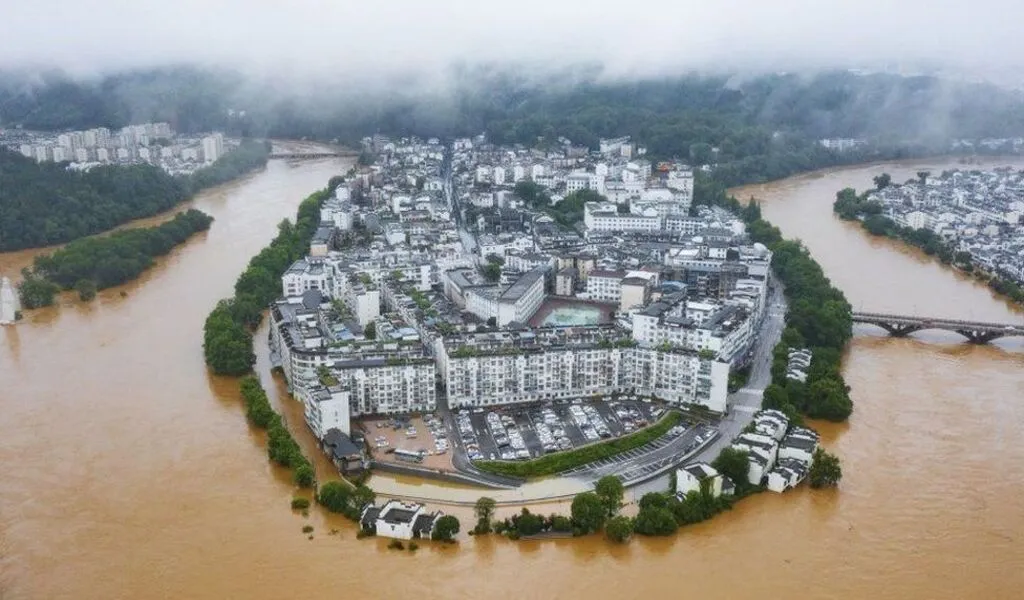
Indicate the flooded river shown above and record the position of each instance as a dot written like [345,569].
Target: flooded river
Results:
[128,472]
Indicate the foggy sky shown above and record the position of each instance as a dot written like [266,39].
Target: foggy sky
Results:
[360,37]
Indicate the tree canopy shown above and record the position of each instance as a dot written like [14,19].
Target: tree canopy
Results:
[589,512]
[619,529]
[610,490]
[44,203]
[825,470]
[733,464]
[445,529]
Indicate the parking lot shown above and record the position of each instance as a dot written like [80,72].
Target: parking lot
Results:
[525,432]
[653,457]
[419,440]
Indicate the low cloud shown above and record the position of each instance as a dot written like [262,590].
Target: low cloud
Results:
[350,40]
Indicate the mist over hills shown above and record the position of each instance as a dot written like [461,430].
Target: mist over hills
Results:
[515,105]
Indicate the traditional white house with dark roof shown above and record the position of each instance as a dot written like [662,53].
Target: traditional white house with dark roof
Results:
[400,520]
[800,444]
[689,478]
[762,452]
[788,473]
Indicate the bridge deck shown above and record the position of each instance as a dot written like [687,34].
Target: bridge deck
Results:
[977,332]
[934,322]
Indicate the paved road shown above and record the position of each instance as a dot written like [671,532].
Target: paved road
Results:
[746,401]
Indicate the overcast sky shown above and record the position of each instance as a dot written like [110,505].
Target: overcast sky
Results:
[359,36]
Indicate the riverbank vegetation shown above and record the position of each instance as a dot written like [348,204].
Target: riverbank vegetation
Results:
[818,317]
[281,446]
[563,461]
[248,156]
[851,206]
[44,203]
[227,343]
[344,498]
[825,471]
[111,260]
[660,513]
[97,263]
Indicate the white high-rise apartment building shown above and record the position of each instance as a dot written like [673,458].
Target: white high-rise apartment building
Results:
[495,369]
[213,147]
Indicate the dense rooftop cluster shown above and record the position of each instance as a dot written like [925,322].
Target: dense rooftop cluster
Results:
[152,143]
[978,211]
[477,267]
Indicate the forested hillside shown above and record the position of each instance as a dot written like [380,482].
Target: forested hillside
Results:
[44,203]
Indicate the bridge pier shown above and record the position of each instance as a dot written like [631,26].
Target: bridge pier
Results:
[898,330]
[973,331]
[978,337]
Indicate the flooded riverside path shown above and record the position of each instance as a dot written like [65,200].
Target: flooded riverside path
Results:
[128,472]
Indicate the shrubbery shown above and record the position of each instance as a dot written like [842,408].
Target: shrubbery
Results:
[281,446]
[228,340]
[342,497]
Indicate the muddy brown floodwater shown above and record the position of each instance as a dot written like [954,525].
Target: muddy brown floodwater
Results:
[128,472]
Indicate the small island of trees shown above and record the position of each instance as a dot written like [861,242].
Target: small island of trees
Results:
[97,263]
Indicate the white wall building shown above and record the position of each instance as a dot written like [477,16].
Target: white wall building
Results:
[605,286]
[326,409]
[485,371]
[604,216]
[689,478]
[400,520]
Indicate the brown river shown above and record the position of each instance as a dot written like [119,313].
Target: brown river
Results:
[128,472]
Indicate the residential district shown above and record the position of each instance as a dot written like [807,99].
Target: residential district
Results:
[445,315]
[153,143]
[980,211]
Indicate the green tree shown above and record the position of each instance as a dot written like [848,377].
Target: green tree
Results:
[610,490]
[828,398]
[36,292]
[445,529]
[655,521]
[527,523]
[588,512]
[653,500]
[775,396]
[532,194]
[492,272]
[334,496]
[619,529]
[882,181]
[362,496]
[733,464]
[370,331]
[227,345]
[86,289]
[922,176]
[304,475]
[825,470]
[702,154]
[484,508]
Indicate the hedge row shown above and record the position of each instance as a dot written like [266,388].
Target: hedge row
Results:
[281,446]
[563,461]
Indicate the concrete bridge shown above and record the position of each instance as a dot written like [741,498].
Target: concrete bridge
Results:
[308,155]
[975,332]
